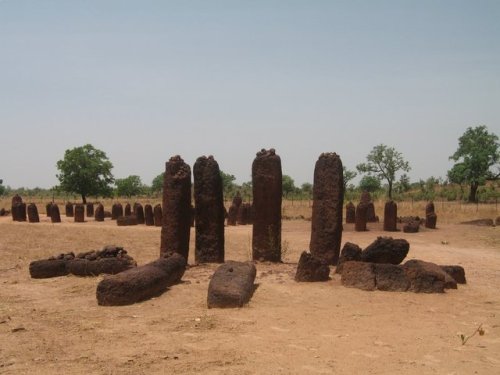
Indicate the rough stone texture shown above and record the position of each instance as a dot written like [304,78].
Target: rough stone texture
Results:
[411,227]
[311,268]
[116,211]
[176,222]
[33,213]
[107,214]
[55,215]
[158,215]
[350,213]
[209,212]
[232,215]
[232,285]
[365,197]
[391,277]
[110,260]
[139,213]
[79,213]
[497,221]
[3,211]
[123,221]
[47,209]
[18,209]
[46,268]
[361,210]
[370,213]
[69,209]
[267,193]
[99,212]
[479,222]
[390,216]
[430,216]
[409,219]
[127,210]
[328,202]
[349,252]
[427,277]
[456,272]
[141,283]
[241,217]
[386,250]
[90,209]
[359,275]
[237,200]
[429,208]
[149,218]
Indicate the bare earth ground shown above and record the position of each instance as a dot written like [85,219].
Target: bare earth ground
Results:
[55,325]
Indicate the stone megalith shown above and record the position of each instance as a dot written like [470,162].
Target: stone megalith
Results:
[361,211]
[328,203]
[99,212]
[311,269]
[209,211]
[128,210]
[371,217]
[139,213]
[390,216]
[350,213]
[430,216]
[55,215]
[176,221]
[158,214]
[232,214]
[90,209]
[18,209]
[79,213]
[47,209]
[116,211]
[33,213]
[149,219]
[267,194]
[69,209]
[237,200]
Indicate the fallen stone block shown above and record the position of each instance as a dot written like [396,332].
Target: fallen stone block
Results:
[349,252]
[386,250]
[311,268]
[391,277]
[46,268]
[426,277]
[123,221]
[457,272]
[359,275]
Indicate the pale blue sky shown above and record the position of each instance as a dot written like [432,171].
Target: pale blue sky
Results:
[144,80]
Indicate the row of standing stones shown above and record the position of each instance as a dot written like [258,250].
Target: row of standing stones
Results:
[232,283]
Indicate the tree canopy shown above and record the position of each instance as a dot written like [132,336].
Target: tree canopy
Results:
[129,186]
[384,162]
[157,184]
[288,185]
[228,184]
[348,176]
[86,171]
[369,183]
[478,151]
[2,188]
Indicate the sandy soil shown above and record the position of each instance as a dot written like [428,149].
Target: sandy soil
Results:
[55,325]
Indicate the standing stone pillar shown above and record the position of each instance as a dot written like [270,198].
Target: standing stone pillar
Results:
[79,213]
[128,210]
[328,204]
[139,213]
[148,215]
[209,211]
[176,221]
[69,209]
[116,211]
[47,209]
[90,209]
[33,213]
[361,211]
[267,193]
[350,213]
[158,214]
[430,216]
[55,215]
[99,213]
[390,216]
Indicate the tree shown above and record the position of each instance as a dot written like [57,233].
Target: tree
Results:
[370,183]
[157,184]
[129,186]
[86,171]
[385,162]
[228,184]
[288,185]
[403,185]
[307,188]
[348,176]
[478,151]
[2,188]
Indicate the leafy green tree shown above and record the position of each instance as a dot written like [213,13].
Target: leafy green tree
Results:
[129,186]
[228,184]
[288,185]
[2,188]
[306,188]
[348,176]
[86,171]
[369,183]
[385,162]
[157,184]
[403,185]
[478,151]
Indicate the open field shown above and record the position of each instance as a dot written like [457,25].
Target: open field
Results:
[55,325]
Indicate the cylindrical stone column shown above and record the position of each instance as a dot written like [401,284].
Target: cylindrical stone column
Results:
[390,216]
[176,221]
[47,208]
[209,211]
[149,219]
[430,216]
[350,213]
[90,209]
[116,211]
[128,210]
[69,209]
[328,204]
[232,214]
[157,211]
[33,213]
[361,211]
[99,212]
[139,213]
[267,193]
[55,215]
[79,213]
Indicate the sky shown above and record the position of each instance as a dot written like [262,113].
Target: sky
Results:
[145,80]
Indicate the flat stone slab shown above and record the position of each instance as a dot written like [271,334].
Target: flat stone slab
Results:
[232,285]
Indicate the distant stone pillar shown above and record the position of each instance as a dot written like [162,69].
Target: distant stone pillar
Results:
[267,193]
[371,217]
[328,204]
[176,221]
[90,209]
[99,213]
[79,213]
[55,215]
[47,209]
[430,216]
[33,213]
[149,219]
[350,213]
[116,211]
[390,216]
[69,209]
[243,214]
[232,215]
[139,213]
[18,209]
[128,210]
[361,210]
[158,214]
[209,211]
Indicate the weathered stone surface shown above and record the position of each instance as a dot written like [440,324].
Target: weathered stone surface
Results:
[409,219]
[349,252]
[350,213]
[497,221]
[328,202]
[33,213]
[123,221]
[110,260]
[371,217]
[456,272]
[479,222]
[365,197]
[139,213]
[361,211]
[242,218]
[127,210]
[55,215]
[116,211]
[99,213]
[90,209]
[426,277]
[141,283]
[158,213]
[176,222]
[311,268]
[3,211]
[46,268]
[149,219]
[209,212]
[267,193]
[232,215]
[47,208]
[391,277]
[411,227]
[430,216]
[386,250]
[232,285]
[79,213]
[107,214]
[359,275]
[18,209]
[429,208]
[69,209]
[390,216]
[237,200]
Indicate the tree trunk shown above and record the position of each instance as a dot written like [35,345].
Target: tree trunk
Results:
[84,199]
[390,190]
[473,191]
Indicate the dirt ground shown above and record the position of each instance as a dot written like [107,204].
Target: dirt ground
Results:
[55,325]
